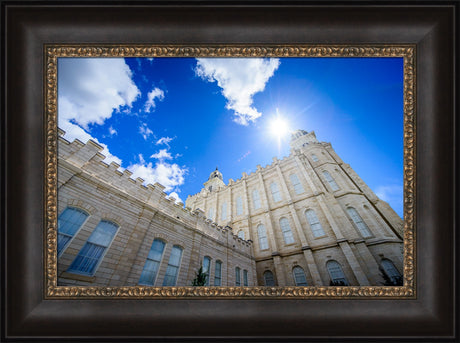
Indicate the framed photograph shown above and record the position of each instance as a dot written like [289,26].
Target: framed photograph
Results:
[335,169]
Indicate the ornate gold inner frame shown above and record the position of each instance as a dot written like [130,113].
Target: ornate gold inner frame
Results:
[53,52]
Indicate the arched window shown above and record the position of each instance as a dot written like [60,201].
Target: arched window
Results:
[206,268]
[152,264]
[314,158]
[299,276]
[336,273]
[70,220]
[224,211]
[241,234]
[95,247]
[269,279]
[296,184]
[239,206]
[330,180]
[275,192]
[173,266]
[256,199]
[360,224]
[211,213]
[263,241]
[237,277]
[245,278]
[218,274]
[286,229]
[391,271]
[315,225]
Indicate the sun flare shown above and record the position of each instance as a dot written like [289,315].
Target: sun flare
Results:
[279,127]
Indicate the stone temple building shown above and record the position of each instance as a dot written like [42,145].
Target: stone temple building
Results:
[306,220]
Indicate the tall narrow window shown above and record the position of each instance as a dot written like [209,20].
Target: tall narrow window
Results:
[245,278]
[269,279]
[152,264]
[314,158]
[263,241]
[211,213]
[70,220]
[286,229]
[207,268]
[315,225]
[91,254]
[241,234]
[218,274]
[391,271]
[360,224]
[239,206]
[275,192]
[173,266]
[330,180]
[256,199]
[336,273]
[296,184]
[237,276]
[299,276]
[223,214]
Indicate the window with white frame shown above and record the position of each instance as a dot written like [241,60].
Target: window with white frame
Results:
[211,213]
[269,279]
[330,180]
[239,206]
[299,276]
[237,276]
[391,271]
[245,278]
[223,214]
[336,273]
[287,232]
[173,266]
[218,273]
[206,268]
[256,199]
[360,224]
[152,264]
[70,220]
[296,184]
[315,225]
[314,158]
[262,233]
[241,234]
[95,247]
[275,192]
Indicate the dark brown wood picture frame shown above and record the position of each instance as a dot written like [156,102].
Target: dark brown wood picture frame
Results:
[28,27]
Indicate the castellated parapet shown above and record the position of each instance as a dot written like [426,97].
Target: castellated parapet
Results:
[142,213]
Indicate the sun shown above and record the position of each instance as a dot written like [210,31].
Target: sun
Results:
[279,127]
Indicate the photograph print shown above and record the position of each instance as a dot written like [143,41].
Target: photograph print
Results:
[234,172]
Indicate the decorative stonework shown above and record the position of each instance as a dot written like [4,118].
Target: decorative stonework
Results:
[53,52]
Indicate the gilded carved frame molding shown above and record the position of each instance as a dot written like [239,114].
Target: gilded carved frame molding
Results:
[53,52]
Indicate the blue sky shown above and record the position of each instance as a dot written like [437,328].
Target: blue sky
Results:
[173,120]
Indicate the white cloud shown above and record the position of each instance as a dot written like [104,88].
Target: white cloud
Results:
[145,131]
[164,140]
[90,89]
[163,154]
[112,131]
[169,175]
[176,196]
[393,194]
[156,93]
[239,79]
[150,59]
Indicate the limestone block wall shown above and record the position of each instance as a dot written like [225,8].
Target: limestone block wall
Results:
[142,214]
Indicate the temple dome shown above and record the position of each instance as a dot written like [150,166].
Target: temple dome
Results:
[214,174]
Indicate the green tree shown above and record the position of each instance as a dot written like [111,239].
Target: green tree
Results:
[200,278]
